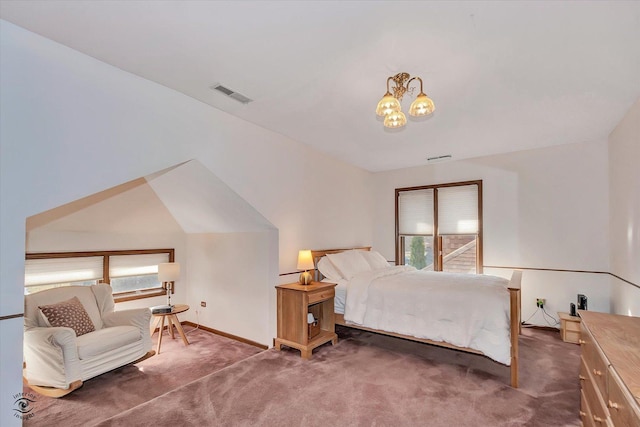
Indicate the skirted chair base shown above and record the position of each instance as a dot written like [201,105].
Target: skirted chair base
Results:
[60,392]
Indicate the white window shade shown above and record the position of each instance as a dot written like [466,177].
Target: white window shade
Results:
[135,265]
[458,210]
[62,270]
[415,212]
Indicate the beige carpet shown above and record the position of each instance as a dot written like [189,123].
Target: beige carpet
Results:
[368,379]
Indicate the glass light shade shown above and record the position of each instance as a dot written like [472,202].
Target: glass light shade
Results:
[305,260]
[422,106]
[388,104]
[397,119]
[168,271]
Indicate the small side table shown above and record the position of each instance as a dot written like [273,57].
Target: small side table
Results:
[569,328]
[295,301]
[172,320]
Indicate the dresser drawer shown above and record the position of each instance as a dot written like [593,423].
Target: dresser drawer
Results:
[585,412]
[596,402]
[321,295]
[596,361]
[623,408]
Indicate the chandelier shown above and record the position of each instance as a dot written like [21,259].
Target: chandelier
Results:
[389,106]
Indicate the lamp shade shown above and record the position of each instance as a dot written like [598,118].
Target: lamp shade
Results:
[168,271]
[422,106]
[305,260]
[397,119]
[388,104]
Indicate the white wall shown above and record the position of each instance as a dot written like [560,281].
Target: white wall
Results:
[222,271]
[545,208]
[624,201]
[71,126]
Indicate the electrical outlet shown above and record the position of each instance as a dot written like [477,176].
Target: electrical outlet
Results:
[540,302]
[203,303]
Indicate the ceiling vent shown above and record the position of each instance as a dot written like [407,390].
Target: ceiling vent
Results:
[231,93]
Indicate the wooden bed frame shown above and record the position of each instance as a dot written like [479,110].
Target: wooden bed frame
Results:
[515,324]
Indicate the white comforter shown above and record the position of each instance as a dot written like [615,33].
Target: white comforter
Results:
[466,310]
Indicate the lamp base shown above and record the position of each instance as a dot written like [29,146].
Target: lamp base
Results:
[169,289]
[305,278]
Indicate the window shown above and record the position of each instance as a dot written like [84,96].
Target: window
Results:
[132,274]
[135,272]
[439,227]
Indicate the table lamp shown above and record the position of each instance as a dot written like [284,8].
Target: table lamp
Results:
[168,272]
[305,262]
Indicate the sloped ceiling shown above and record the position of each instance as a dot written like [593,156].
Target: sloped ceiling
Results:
[200,202]
[132,207]
[505,76]
[187,198]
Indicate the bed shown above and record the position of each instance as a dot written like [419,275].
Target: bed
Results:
[474,313]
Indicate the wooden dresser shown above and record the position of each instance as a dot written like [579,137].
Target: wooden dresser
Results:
[610,370]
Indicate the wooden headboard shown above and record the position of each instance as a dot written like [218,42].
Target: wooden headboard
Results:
[317,254]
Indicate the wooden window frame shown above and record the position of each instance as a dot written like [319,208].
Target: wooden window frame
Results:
[437,238]
[120,296]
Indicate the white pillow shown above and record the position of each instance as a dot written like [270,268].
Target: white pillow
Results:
[375,259]
[349,263]
[328,270]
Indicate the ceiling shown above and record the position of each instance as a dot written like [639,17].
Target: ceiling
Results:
[505,76]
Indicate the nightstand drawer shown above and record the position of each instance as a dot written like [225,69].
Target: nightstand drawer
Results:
[321,295]
[572,326]
[571,336]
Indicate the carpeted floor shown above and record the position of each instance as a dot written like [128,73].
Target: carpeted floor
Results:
[121,389]
[369,379]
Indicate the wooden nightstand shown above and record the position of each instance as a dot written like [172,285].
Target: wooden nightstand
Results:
[294,302]
[569,328]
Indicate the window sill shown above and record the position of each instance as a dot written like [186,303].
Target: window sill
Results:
[130,296]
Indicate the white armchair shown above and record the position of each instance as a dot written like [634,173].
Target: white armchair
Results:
[57,361]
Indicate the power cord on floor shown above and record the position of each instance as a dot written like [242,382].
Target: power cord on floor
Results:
[197,323]
[556,322]
[526,322]
[546,316]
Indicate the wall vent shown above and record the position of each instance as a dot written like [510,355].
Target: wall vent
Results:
[231,93]
[438,158]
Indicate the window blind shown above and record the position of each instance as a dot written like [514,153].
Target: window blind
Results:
[458,210]
[135,265]
[52,271]
[415,212]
